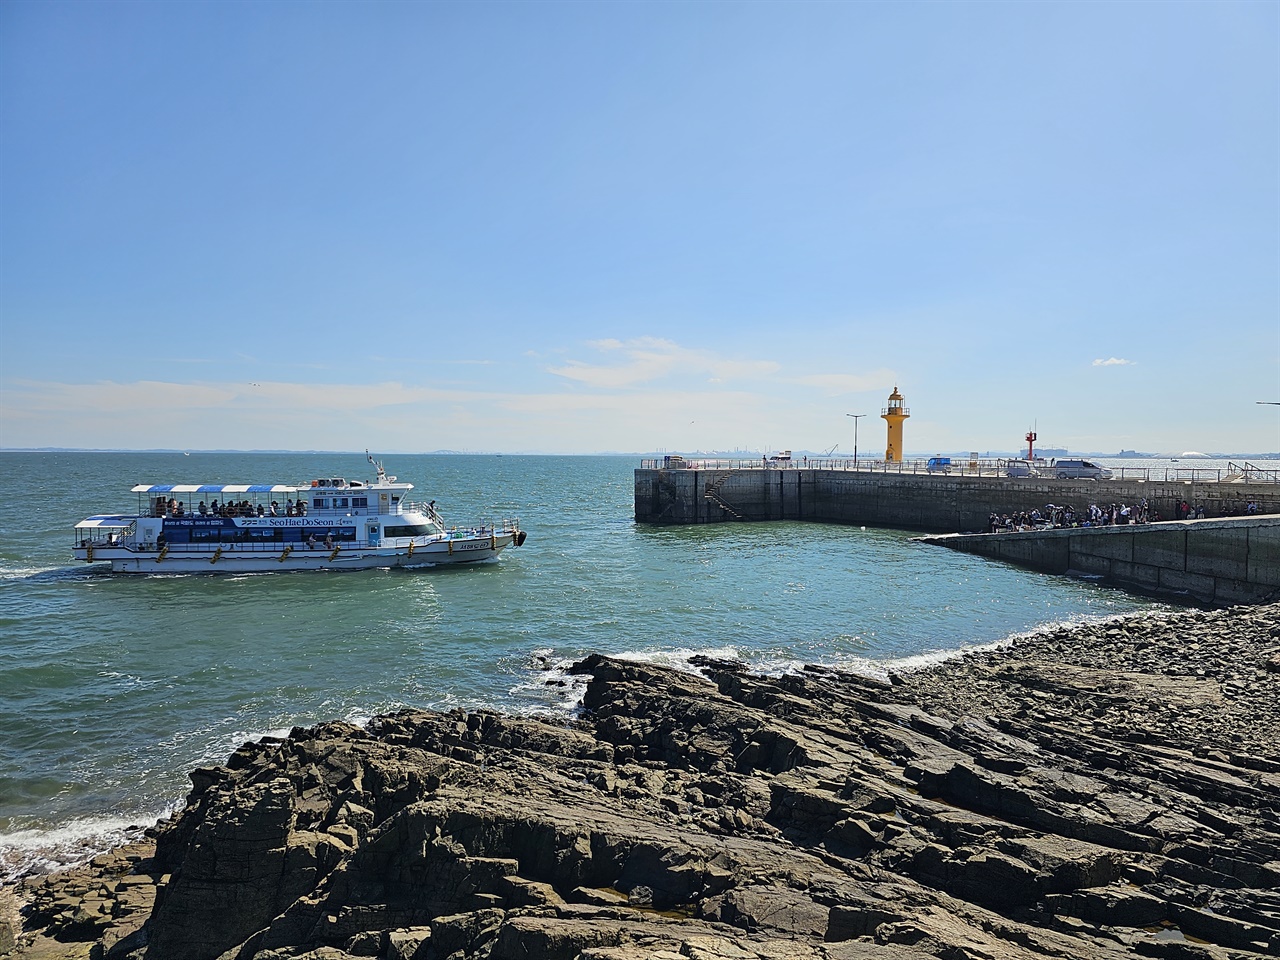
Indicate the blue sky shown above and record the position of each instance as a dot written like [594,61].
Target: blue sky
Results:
[575,227]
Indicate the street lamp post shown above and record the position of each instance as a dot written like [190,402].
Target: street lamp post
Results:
[856,418]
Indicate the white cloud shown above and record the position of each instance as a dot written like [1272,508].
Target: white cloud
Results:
[649,359]
[610,400]
[835,384]
[1114,362]
[109,397]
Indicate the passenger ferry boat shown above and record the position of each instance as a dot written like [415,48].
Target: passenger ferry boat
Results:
[329,524]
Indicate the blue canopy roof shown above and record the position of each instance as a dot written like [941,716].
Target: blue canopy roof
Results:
[216,488]
[106,521]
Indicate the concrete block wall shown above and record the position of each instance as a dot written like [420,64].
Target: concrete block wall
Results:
[910,501]
[1221,562]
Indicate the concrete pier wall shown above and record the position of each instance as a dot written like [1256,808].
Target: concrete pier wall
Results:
[1221,562]
[938,504]
[1217,561]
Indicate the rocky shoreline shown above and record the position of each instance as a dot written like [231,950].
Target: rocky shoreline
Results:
[1109,790]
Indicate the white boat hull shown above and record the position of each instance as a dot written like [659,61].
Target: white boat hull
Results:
[435,553]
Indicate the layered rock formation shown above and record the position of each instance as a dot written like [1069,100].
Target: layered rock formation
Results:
[1105,791]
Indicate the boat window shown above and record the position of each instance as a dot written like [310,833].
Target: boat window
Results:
[409,530]
[320,503]
[339,503]
[359,501]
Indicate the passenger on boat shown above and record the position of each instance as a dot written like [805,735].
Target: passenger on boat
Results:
[180,510]
[261,510]
[312,543]
[173,505]
[215,509]
[203,509]
[328,540]
[274,508]
[288,510]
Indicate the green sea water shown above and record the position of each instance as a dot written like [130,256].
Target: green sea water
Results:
[112,687]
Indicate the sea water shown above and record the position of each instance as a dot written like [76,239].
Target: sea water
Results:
[112,687]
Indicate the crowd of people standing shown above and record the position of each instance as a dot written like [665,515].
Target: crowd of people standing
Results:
[228,509]
[1054,517]
[1105,515]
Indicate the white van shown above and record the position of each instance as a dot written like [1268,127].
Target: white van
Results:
[1020,468]
[1078,470]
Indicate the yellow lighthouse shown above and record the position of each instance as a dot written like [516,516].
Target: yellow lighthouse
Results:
[894,414]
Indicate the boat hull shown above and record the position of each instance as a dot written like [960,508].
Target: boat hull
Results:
[436,553]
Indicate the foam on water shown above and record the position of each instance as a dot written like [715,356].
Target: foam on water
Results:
[35,851]
[681,658]
[32,573]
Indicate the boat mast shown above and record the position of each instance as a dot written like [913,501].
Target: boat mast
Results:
[382,474]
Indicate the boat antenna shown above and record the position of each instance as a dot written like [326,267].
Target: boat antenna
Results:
[382,474]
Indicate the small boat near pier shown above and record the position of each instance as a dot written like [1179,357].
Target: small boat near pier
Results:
[329,524]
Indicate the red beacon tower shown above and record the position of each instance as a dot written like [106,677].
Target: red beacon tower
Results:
[1031,443]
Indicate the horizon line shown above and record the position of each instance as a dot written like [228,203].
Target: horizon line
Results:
[710,454]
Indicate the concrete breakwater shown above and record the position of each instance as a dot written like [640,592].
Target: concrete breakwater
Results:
[936,504]
[1218,561]
[1221,562]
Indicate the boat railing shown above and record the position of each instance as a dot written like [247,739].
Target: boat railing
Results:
[484,528]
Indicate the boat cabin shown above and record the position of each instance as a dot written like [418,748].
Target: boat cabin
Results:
[328,512]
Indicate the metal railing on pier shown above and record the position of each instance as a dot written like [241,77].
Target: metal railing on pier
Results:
[966,467]
[957,466]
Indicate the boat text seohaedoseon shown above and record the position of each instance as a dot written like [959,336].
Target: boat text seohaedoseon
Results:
[329,524]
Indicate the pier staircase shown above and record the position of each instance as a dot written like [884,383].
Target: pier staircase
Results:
[712,493]
[1250,473]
